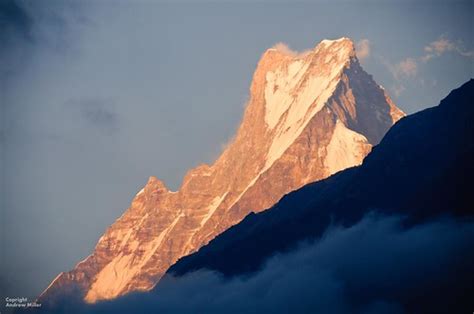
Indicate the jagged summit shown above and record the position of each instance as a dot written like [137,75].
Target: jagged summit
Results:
[156,184]
[308,116]
[343,40]
[283,49]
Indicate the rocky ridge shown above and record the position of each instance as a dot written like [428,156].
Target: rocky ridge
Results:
[309,115]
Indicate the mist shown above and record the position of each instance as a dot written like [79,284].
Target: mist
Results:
[375,266]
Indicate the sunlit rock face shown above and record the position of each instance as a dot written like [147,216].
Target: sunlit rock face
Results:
[309,115]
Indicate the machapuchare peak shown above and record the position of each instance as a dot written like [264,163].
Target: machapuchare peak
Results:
[309,115]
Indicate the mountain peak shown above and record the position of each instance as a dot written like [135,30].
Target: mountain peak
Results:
[281,50]
[345,40]
[155,184]
[343,46]
[309,115]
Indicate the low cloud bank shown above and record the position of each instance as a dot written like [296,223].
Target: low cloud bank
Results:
[375,266]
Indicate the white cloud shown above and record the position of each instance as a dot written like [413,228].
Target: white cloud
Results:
[363,49]
[398,90]
[408,67]
[285,49]
[405,68]
[441,46]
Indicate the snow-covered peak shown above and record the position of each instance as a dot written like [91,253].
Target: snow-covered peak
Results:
[343,47]
[282,49]
[298,88]
[332,41]
[309,115]
[289,76]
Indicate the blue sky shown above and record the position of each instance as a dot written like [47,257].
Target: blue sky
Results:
[95,98]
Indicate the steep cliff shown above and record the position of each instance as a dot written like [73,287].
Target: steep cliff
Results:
[308,116]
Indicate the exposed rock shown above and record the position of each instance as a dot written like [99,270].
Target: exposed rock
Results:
[308,116]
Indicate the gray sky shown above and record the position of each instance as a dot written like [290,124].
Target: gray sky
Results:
[95,98]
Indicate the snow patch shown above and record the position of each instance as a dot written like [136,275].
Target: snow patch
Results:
[248,187]
[111,280]
[327,42]
[293,97]
[300,109]
[213,207]
[345,149]
[278,90]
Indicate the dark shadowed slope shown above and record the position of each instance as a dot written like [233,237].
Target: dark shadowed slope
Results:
[421,169]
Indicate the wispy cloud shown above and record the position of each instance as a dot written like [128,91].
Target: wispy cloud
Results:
[363,49]
[405,68]
[408,68]
[285,49]
[443,45]
[401,71]
[398,89]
